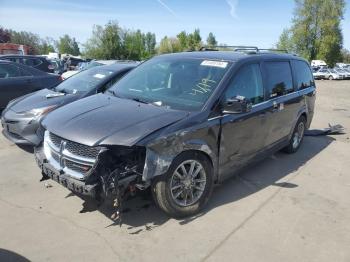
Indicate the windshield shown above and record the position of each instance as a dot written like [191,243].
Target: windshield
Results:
[84,81]
[92,64]
[184,84]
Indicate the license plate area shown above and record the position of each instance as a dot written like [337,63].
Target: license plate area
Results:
[50,172]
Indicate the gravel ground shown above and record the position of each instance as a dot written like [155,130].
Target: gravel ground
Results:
[286,208]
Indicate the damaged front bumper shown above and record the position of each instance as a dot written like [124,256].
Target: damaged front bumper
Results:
[73,184]
[98,172]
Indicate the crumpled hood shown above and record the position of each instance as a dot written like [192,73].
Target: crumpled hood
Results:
[107,120]
[38,99]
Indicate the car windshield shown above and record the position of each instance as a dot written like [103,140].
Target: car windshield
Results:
[84,81]
[184,84]
[92,64]
[333,71]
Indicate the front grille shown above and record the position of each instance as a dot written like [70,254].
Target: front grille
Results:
[56,140]
[82,150]
[77,167]
[55,156]
[76,159]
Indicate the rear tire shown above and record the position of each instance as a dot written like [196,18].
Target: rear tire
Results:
[185,189]
[297,136]
[330,78]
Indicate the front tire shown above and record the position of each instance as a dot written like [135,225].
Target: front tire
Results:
[297,136]
[330,78]
[186,187]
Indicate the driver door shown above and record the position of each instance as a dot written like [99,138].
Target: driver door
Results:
[243,134]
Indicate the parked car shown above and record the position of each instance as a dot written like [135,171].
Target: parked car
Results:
[21,118]
[17,80]
[329,74]
[59,67]
[178,123]
[38,62]
[87,65]
[343,72]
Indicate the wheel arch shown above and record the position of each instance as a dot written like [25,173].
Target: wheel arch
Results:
[158,163]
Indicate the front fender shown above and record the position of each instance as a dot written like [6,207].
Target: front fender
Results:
[160,155]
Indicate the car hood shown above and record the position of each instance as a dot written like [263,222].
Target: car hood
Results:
[41,99]
[107,120]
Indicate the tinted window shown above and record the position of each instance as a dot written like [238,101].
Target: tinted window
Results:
[7,70]
[32,61]
[279,78]
[303,74]
[247,83]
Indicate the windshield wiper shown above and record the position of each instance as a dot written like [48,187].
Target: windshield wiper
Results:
[139,100]
[112,92]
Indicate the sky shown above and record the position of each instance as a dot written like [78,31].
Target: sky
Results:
[233,22]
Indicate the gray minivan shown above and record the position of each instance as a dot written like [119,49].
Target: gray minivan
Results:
[177,124]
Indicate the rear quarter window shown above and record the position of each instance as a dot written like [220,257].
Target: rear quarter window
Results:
[303,75]
[279,79]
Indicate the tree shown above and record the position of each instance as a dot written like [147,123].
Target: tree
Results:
[183,40]
[68,45]
[285,41]
[194,40]
[150,44]
[113,42]
[26,38]
[211,40]
[169,45]
[315,32]
[346,56]
[5,35]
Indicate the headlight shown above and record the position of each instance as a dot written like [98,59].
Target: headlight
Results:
[38,112]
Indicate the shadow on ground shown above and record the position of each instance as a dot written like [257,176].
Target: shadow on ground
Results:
[9,256]
[141,214]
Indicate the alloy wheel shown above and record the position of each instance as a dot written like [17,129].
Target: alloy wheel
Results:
[187,183]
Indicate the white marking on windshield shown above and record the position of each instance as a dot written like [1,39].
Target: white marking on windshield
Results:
[214,63]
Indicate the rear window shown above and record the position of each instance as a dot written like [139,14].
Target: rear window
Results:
[303,75]
[84,81]
[279,78]
[8,70]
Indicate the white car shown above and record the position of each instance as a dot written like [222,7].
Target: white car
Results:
[344,72]
[329,74]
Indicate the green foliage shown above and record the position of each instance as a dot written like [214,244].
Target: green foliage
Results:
[113,42]
[211,40]
[285,41]
[68,45]
[5,35]
[315,32]
[26,38]
[345,55]
[182,36]
[182,42]
[169,45]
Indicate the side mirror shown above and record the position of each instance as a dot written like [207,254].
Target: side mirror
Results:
[237,105]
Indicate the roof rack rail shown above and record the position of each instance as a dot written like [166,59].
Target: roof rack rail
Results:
[274,50]
[247,49]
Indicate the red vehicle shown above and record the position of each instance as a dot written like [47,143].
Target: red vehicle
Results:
[8,48]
